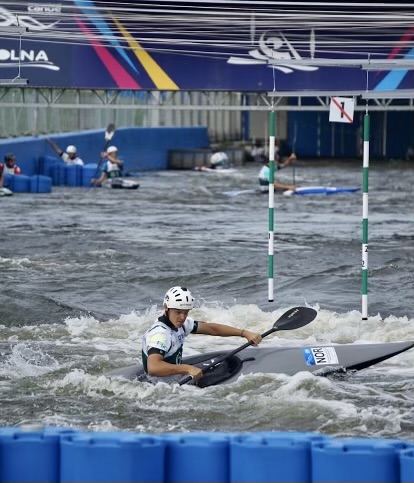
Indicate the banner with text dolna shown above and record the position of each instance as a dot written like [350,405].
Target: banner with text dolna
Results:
[94,45]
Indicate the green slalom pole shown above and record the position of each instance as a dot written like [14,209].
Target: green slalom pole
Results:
[365,219]
[271,205]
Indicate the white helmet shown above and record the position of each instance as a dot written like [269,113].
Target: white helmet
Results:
[179,298]
[71,149]
[111,149]
[218,159]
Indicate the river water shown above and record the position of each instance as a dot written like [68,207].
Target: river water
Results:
[84,271]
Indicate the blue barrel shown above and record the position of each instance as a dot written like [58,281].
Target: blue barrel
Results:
[359,460]
[28,457]
[407,465]
[197,457]
[89,172]
[306,435]
[7,180]
[270,458]
[45,164]
[20,183]
[57,173]
[73,175]
[113,457]
[40,184]
[61,430]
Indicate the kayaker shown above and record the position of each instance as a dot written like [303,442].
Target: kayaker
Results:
[264,175]
[112,166]
[162,344]
[8,167]
[218,160]
[69,156]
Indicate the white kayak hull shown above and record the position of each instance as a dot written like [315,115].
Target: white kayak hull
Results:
[120,183]
[5,192]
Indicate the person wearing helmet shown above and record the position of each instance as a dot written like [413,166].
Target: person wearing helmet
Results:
[264,173]
[8,167]
[218,160]
[70,156]
[162,344]
[112,166]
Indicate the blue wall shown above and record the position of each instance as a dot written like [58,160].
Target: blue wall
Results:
[141,149]
[316,136]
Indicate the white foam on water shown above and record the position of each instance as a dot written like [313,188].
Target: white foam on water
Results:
[27,360]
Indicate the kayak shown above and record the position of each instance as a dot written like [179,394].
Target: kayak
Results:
[321,190]
[309,190]
[119,183]
[5,192]
[204,169]
[241,192]
[318,359]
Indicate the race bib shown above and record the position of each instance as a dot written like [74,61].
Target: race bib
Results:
[317,356]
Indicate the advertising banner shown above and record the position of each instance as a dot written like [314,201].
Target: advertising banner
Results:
[136,46]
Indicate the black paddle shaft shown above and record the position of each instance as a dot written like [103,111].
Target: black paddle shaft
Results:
[292,319]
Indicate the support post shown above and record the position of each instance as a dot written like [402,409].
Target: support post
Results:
[271,204]
[365,219]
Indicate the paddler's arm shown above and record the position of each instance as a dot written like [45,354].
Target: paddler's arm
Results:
[288,161]
[211,328]
[282,186]
[159,368]
[99,180]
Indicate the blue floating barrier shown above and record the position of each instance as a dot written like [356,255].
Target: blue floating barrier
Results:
[357,460]
[20,183]
[45,164]
[61,430]
[73,175]
[7,180]
[308,436]
[112,457]
[57,173]
[407,465]
[28,456]
[40,184]
[197,457]
[273,458]
[89,172]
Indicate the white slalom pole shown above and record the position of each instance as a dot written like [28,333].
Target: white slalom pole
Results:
[271,205]
[365,219]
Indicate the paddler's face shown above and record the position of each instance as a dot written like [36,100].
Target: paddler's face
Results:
[177,317]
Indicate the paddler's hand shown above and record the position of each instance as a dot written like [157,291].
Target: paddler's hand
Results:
[195,372]
[252,337]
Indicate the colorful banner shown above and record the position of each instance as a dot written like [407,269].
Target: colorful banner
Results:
[85,44]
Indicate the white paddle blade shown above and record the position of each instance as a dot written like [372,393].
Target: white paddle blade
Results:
[110,131]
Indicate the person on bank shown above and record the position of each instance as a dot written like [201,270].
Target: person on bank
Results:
[112,166]
[264,175]
[8,167]
[70,156]
[162,344]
